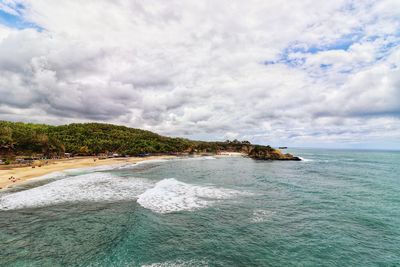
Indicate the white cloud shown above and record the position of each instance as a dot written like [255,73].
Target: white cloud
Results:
[9,7]
[196,68]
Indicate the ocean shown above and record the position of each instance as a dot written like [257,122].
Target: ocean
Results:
[334,208]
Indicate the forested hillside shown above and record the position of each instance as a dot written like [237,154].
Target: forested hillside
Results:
[91,139]
[88,138]
[30,139]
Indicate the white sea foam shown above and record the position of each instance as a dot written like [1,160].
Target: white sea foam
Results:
[177,264]
[168,195]
[96,168]
[192,158]
[261,215]
[305,160]
[89,184]
[77,171]
[171,195]
[199,158]
[152,161]
[96,187]
[52,175]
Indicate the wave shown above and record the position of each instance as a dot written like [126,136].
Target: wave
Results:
[177,264]
[305,160]
[200,158]
[193,158]
[150,161]
[165,196]
[134,165]
[78,171]
[52,175]
[88,170]
[171,195]
[92,187]
[102,168]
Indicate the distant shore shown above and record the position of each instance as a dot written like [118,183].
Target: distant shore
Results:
[22,174]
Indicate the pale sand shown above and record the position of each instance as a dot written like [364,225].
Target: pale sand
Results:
[22,174]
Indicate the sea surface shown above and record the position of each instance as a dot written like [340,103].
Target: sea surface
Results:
[334,208]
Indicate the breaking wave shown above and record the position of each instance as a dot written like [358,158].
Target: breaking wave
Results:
[92,187]
[192,263]
[305,160]
[171,195]
[199,158]
[165,196]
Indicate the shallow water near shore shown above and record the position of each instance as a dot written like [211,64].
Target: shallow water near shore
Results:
[335,208]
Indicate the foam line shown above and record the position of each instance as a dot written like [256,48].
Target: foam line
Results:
[93,187]
[171,195]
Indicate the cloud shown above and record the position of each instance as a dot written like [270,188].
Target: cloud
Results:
[299,73]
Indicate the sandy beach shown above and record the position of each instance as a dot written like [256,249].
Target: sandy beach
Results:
[22,174]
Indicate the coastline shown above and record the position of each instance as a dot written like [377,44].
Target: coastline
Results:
[26,173]
[23,174]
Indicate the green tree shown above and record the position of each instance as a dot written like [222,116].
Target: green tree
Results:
[6,140]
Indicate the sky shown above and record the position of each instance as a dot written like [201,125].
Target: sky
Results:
[301,73]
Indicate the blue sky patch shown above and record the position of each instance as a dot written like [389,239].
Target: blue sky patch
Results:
[16,21]
[343,43]
[325,66]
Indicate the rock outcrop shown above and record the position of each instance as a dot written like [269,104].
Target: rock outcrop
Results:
[269,153]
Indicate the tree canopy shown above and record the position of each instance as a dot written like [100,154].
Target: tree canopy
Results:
[94,139]
[17,138]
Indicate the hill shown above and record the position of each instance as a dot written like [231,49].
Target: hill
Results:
[28,139]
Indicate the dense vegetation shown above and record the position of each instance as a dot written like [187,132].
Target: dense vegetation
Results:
[91,139]
[28,139]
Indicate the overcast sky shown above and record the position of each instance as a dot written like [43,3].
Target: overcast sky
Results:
[295,73]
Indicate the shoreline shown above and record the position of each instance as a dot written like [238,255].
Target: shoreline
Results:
[26,173]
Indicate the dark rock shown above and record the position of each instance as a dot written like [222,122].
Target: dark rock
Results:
[269,153]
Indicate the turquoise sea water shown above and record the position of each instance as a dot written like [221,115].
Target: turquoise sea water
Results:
[336,208]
